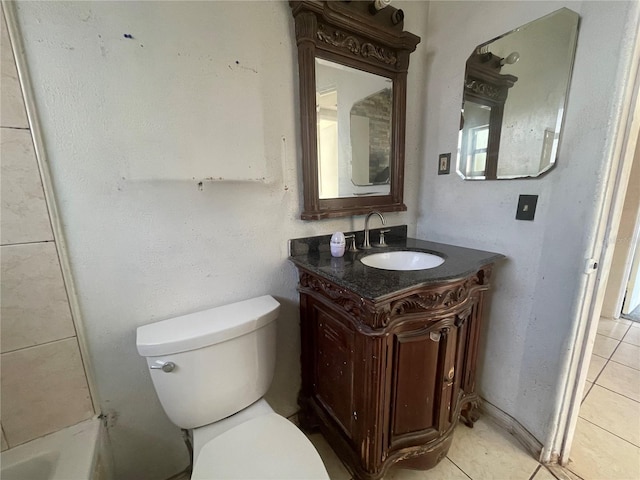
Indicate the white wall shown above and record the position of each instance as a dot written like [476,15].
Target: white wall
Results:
[132,127]
[533,305]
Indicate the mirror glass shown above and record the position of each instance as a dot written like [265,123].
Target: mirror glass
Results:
[514,99]
[354,113]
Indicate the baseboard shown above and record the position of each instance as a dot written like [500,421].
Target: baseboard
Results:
[511,425]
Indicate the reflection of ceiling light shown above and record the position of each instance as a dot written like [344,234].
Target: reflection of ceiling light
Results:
[512,58]
[379,5]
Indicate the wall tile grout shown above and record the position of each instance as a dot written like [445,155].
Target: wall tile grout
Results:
[26,243]
[15,128]
[38,345]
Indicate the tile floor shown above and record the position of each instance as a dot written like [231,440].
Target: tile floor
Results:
[606,444]
[483,452]
[607,441]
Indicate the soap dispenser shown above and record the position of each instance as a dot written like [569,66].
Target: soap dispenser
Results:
[337,244]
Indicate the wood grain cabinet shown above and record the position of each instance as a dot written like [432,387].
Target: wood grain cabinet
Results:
[387,380]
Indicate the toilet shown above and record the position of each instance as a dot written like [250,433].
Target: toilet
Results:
[210,370]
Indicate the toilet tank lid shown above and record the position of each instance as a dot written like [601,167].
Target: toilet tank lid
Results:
[205,328]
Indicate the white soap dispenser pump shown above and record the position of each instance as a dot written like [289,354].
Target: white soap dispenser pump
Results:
[337,244]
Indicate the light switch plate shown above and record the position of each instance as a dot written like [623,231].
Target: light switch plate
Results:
[526,207]
[444,163]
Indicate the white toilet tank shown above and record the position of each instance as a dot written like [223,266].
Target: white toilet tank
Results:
[216,362]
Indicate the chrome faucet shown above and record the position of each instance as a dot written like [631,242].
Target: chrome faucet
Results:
[367,245]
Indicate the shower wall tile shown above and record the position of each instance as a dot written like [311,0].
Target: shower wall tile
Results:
[12,111]
[24,216]
[43,390]
[34,309]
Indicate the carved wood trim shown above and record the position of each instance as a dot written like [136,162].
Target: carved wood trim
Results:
[355,44]
[485,89]
[350,303]
[437,301]
[451,310]
[346,33]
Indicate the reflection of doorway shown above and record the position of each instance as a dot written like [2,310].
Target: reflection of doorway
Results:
[327,110]
[474,139]
[477,157]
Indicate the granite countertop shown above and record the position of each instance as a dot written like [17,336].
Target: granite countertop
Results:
[313,254]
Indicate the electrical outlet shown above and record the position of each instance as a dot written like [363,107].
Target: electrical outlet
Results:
[526,207]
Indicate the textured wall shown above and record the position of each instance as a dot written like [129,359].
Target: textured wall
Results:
[134,129]
[536,289]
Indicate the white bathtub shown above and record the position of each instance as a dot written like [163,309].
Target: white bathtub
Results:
[74,453]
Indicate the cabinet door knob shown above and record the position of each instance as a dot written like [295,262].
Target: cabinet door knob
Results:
[450,375]
[435,336]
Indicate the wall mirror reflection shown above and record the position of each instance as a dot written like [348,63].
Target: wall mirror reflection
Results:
[514,97]
[353,115]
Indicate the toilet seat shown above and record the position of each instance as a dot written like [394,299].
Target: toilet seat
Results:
[265,447]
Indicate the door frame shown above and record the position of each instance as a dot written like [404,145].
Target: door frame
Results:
[597,269]
[632,285]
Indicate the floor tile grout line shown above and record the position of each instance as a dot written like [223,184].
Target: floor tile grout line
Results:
[458,467]
[606,358]
[551,472]
[613,338]
[600,372]
[604,367]
[624,364]
[613,391]
[615,435]
[607,362]
[619,339]
[586,395]
[535,472]
[578,476]
[616,347]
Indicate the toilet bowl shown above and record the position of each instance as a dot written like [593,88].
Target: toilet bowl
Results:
[210,370]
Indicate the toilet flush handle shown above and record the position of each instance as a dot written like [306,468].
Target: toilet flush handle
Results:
[165,367]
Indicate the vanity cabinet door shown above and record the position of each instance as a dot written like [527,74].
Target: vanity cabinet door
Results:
[334,369]
[328,363]
[423,393]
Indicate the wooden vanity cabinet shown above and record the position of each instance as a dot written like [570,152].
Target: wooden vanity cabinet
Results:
[386,381]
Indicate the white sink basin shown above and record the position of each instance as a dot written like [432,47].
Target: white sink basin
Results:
[405,260]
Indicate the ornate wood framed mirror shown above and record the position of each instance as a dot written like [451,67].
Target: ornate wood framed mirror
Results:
[353,60]
[485,94]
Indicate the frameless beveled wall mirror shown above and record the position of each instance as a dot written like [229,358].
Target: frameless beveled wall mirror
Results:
[353,63]
[514,97]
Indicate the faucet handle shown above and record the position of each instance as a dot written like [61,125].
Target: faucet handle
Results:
[352,238]
[382,243]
